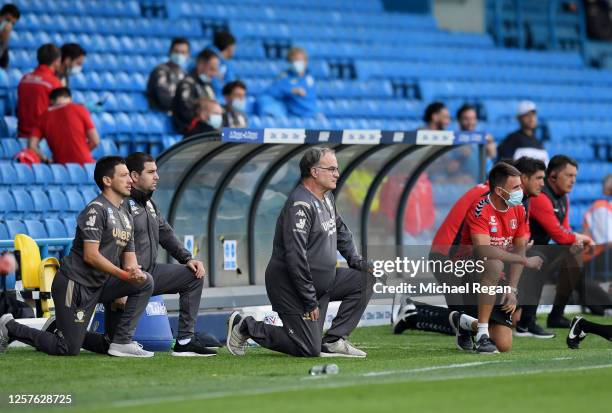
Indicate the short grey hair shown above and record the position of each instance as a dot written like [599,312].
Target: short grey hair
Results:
[311,158]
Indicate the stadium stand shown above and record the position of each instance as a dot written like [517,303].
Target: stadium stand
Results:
[374,69]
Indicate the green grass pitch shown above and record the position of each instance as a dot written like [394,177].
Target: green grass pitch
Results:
[413,372]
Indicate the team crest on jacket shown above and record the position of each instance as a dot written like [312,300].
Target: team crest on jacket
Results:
[513,224]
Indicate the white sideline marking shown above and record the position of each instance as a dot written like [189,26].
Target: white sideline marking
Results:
[422,369]
[268,390]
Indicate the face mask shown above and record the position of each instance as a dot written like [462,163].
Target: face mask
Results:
[298,66]
[215,120]
[516,197]
[239,104]
[179,59]
[75,70]
[3,24]
[204,78]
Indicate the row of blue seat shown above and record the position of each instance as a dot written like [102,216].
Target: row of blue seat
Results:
[45,228]
[44,175]
[131,26]
[220,10]
[374,6]
[117,8]
[244,29]
[522,58]
[543,90]
[367,69]
[506,108]
[40,203]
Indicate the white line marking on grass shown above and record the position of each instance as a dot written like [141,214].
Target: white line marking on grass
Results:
[341,384]
[562,358]
[423,369]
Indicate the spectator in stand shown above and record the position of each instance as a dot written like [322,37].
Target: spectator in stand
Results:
[295,87]
[9,14]
[224,46]
[209,118]
[523,142]
[73,58]
[467,118]
[436,116]
[68,129]
[34,88]
[235,104]
[194,86]
[165,78]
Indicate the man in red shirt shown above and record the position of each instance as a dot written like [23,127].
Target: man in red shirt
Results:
[495,224]
[68,128]
[549,220]
[34,88]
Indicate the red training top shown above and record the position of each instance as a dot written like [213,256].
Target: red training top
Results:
[33,98]
[542,211]
[449,229]
[65,128]
[502,226]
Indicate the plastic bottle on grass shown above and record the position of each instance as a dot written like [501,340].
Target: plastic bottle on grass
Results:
[322,369]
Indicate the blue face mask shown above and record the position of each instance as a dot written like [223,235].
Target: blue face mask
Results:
[298,66]
[3,24]
[180,60]
[215,120]
[239,104]
[516,197]
[204,78]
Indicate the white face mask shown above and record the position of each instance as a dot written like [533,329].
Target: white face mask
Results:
[180,60]
[204,78]
[75,70]
[239,104]
[215,120]
[298,66]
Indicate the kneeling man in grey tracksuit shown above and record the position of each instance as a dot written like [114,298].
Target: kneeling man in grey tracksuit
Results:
[302,277]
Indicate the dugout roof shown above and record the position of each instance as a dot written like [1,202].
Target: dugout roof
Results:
[232,186]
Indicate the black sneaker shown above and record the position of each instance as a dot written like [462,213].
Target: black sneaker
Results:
[532,330]
[208,340]
[195,348]
[463,338]
[575,334]
[557,321]
[486,346]
[407,309]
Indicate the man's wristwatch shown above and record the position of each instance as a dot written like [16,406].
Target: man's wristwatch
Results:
[514,290]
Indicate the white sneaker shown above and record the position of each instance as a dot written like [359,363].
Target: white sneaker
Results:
[341,348]
[4,335]
[236,341]
[133,349]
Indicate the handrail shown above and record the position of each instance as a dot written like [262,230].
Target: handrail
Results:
[44,244]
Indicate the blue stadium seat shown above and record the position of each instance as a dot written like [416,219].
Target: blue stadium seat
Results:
[55,228]
[7,174]
[77,173]
[60,174]
[89,193]
[105,148]
[70,225]
[4,234]
[23,173]
[15,227]
[42,174]
[89,170]
[23,200]
[40,202]
[75,200]
[58,200]
[10,147]
[7,204]
[35,229]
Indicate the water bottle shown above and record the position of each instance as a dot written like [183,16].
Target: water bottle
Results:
[322,369]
